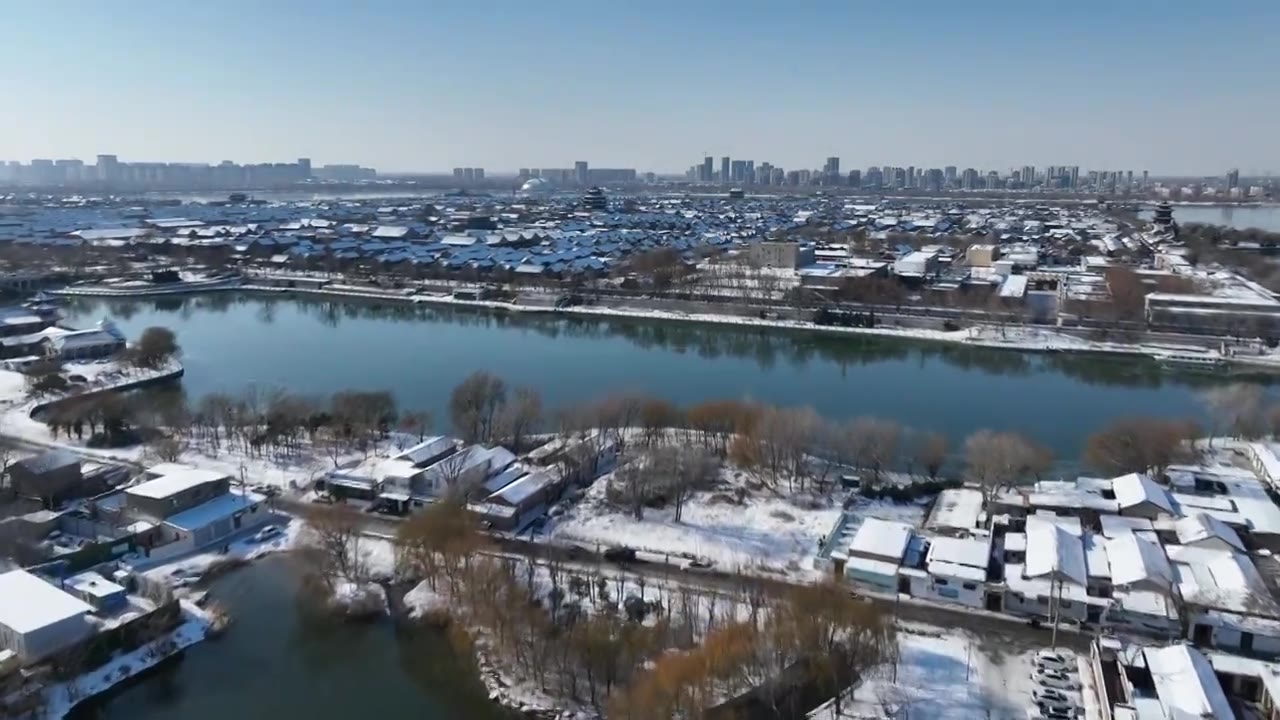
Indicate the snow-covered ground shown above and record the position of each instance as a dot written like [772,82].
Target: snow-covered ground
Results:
[764,533]
[942,674]
[184,570]
[62,697]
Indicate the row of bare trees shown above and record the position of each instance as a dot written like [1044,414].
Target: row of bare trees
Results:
[629,649]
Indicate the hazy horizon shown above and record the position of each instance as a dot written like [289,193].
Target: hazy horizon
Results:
[1176,88]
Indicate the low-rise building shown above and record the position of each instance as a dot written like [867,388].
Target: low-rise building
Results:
[788,255]
[51,477]
[37,619]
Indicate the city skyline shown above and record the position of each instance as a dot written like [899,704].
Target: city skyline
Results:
[1179,88]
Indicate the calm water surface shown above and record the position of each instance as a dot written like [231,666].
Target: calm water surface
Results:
[1263,217]
[276,663]
[421,353]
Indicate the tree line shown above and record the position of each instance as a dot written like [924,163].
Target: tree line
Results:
[628,649]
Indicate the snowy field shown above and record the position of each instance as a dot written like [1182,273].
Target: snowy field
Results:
[764,533]
[942,674]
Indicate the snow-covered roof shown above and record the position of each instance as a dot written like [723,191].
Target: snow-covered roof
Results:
[1135,559]
[883,539]
[1185,683]
[1114,526]
[92,584]
[1219,579]
[224,505]
[28,603]
[426,450]
[957,509]
[178,479]
[1054,552]
[522,489]
[972,552]
[1202,526]
[1137,488]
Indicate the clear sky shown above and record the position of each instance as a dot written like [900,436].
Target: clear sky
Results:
[1173,86]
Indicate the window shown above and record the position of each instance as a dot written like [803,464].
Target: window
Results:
[970,586]
[940,581]
[1042,600]
[1065,603]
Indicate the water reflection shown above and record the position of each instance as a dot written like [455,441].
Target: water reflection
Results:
[766,347]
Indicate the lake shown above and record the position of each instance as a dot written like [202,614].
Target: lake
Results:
[420,353]
[1263,217]
[276,662]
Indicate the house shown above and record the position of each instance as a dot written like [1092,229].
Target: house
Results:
[174,489]
[104,595]
[1139,496]
[37,619]
[876,552]
[955,571]
[51,476]
[1175,682]
[95,343]
[209,523]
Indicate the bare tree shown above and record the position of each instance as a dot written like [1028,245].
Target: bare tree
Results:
[1236,408]
[334,537]
[521,415]
[931,453]
[874,443]
[415,422]
[996,459]
[1140,444]
[474,406]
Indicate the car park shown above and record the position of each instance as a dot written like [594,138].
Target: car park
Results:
[1055,660]
[1054,679]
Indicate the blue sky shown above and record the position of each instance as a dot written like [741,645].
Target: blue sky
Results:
[1173,87]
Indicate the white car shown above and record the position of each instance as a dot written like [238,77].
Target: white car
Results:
[266,533]
[1048,713]
[1053,696]
[1054,679]
[1053,660]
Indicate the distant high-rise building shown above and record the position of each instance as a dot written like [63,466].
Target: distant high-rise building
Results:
[479,173]
[1233,179]
[749,173]
[725,164]
[108,168]
[777,176]
[1074,174]
[910,177]
[874,179]
[468,174]
[304,167]
[580,172]
[1128,181]
[1028,175]
[934,180]
[832,168]
[765,176]
[969,179]
[708,169]
[855,178]
[949,174]
[1144,179]
[458,174]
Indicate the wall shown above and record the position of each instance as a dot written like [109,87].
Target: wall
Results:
[949,589]
[50,639]
[875,581]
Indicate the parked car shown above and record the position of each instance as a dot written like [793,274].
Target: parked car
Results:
[1054,660]
[1053,696]
[698,564]
[1057,710]
[1054,679]
[1041,713]
[620,554]
[267,533]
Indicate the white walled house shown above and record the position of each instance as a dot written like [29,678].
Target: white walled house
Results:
[37,619]
[955,571]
